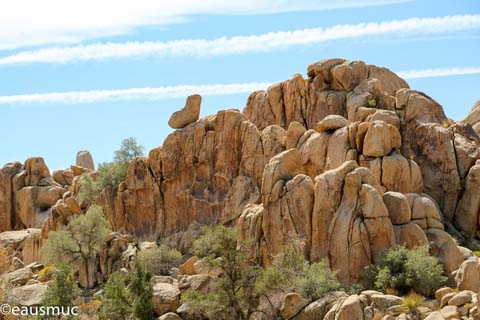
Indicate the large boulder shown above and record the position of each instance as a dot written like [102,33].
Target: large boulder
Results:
[25,244]
[398,207]
[34,194]
[328,195]
[188,114]
[445,249]
[381,138]
[331,123]
[292,304]
[390,81]
[468,275]
[350,309]
[7,209]
[319,308]
[85,160]
[468,209]
[28,295]
[166,298]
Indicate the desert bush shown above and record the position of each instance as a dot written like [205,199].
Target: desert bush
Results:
[234,295]
[116,299]
[47,272]
[290,271]
[372,103]
[127,296]
[159,260]
[63,290]
[215,241]
[110,174]
[90,309]
[142,292]
[317,280]
[404,270]
[237,291]
[80,242]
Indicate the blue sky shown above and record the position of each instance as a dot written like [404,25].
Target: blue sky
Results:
[113,46]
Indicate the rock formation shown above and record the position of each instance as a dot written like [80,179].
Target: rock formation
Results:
[341,165]
[473,117]
[188,114]
[85,160]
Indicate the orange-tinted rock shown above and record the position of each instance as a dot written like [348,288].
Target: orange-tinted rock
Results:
[85,160]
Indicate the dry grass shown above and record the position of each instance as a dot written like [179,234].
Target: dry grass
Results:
[412,302]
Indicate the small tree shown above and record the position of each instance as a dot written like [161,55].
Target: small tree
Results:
[237,291]
[110,174]
[142,291]
[404,270]
[80,242]
[116,299]
[63,290]
[234,295]
[128,297]
[129,150]
[159,260]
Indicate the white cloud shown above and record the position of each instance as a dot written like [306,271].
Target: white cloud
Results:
[159,93]
[245,44]
[438,72]
[40,22]
[167,92]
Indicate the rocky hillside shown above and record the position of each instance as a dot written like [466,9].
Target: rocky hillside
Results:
[341,165]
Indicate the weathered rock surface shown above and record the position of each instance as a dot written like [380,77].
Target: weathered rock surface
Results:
[292,304]
[473,117]
[166,298]
[85,160]
[28,295]
[188,114]
[468,275]
[341,166]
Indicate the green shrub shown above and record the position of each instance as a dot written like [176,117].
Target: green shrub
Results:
[89,189]
[129,296]
[159,260]
[233,295]
[215,241]
[237,291]
[290,271]
[116,299]
[372,103]
[404,270]
[142,293]
[110,174]
[317,280]
[63,290]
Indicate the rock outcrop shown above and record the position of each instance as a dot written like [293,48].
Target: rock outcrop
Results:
[340,165]
[473,117]
[27,194]
[85,160]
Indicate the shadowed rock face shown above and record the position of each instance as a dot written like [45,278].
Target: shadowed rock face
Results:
[341,165]
[473,117]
